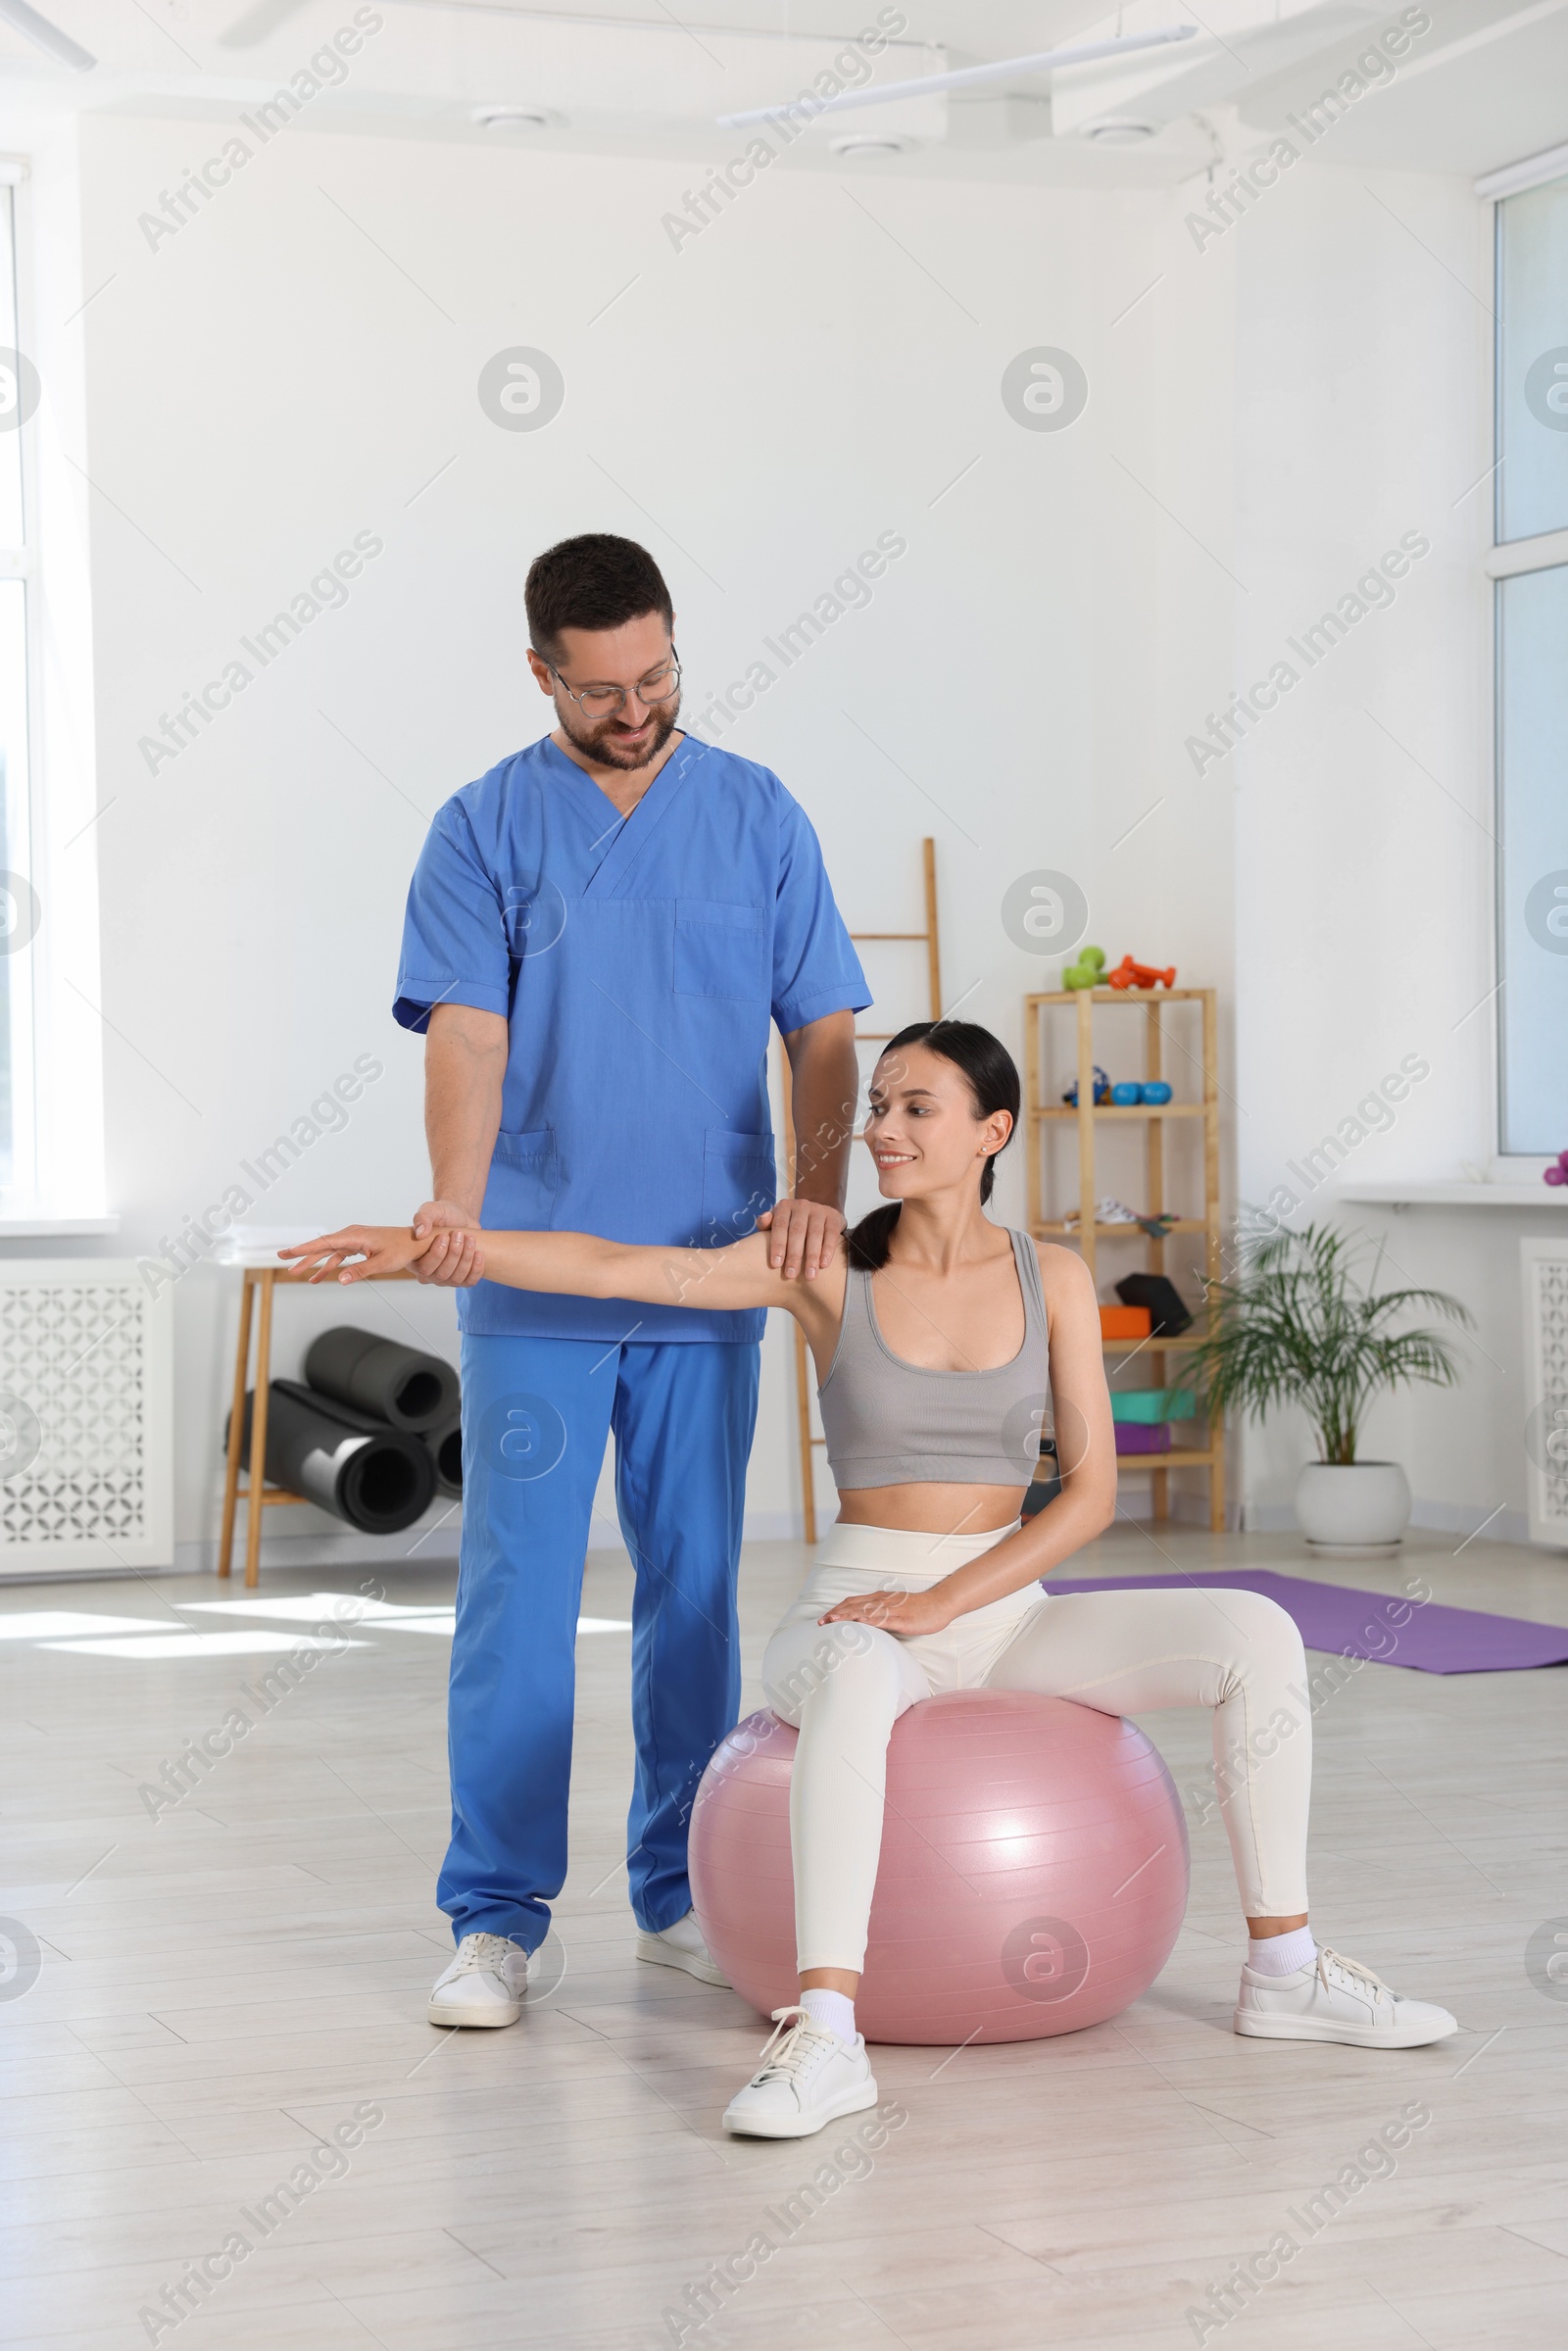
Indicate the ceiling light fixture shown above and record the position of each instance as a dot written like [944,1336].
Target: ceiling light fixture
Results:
[46,36]
[1120,131]
[516,118]
[868,142]
[967,77]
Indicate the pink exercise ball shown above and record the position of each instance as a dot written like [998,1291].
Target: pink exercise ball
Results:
[1033,1875]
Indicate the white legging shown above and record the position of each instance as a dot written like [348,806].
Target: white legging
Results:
[844,1686]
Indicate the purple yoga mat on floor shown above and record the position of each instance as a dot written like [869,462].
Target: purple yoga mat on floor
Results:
[1391,1629]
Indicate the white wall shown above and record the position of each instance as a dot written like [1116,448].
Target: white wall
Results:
[268,383]
[757,407]
[1364,804]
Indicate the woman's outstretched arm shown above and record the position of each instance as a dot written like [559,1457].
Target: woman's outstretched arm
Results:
[577,1263]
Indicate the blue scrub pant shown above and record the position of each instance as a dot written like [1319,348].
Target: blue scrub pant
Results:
[536,1413]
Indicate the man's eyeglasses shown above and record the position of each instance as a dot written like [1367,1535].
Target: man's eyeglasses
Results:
[597,701]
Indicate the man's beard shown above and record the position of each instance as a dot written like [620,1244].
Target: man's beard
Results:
[598,743]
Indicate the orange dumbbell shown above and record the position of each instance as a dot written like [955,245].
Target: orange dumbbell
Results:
[1129,974]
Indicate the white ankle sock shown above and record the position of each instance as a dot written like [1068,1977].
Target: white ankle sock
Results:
[834,2009]
[1281,1954]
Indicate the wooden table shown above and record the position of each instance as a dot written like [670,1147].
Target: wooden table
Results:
[256,1494]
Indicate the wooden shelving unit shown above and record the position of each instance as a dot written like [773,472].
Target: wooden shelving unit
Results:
[1039,1114]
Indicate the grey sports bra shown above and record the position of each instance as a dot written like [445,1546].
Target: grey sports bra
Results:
[892,1423]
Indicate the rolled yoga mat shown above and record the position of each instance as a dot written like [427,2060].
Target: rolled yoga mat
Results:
[1385,1629]
[380,1479]
[445,1447]
[396,1384]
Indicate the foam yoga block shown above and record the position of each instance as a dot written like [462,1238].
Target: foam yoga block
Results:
[1032,1880]
[378,1479]
[398,1383]
[445,1447]
[1137,1437]
[1152,1405]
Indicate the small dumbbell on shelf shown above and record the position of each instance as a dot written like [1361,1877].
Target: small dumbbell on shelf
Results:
[1129,974]
[1089,971]
[1150,1093]
[1102,1090]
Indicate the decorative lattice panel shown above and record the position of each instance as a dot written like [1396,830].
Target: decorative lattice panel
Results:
[1546,1273]
[86,1464]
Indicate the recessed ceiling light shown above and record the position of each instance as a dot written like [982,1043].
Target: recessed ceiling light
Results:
[1120,131]
[865,142]
[516,118]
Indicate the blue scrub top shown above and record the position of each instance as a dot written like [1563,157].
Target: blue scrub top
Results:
[637,960]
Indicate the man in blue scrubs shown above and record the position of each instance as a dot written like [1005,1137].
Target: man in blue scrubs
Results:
[598,934]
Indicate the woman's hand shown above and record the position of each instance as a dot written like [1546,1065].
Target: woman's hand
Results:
[361,1252]
[903,1614]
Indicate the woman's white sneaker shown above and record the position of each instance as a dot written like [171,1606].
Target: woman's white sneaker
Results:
[681,1945]
[808,2079]
[483,1985]
[1337,2000]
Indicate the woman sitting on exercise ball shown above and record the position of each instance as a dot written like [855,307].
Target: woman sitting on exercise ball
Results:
[935,1344]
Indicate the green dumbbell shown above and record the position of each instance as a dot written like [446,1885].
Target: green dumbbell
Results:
[1089,970]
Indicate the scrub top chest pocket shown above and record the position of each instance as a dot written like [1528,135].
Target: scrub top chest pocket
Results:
[721,950]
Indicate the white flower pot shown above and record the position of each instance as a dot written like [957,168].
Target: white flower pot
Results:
[1355,1510]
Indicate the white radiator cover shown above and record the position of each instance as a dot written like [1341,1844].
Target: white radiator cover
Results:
[86,1418]
[1545,1263]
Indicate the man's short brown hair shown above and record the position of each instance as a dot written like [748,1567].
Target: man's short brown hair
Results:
[593,581]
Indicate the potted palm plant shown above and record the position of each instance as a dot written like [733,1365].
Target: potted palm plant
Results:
[1295,1326]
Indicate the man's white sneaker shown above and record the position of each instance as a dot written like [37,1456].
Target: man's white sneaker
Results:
[483,1985]
[682,1946]
[1336,2000]
[808,2079]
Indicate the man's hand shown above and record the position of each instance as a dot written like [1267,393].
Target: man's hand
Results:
[441,1222]
[803,1237]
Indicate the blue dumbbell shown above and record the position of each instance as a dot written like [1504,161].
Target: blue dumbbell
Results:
[1103,1089]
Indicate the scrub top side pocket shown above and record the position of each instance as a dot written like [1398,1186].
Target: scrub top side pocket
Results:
[739,1182]
[524,1175]
[720,949]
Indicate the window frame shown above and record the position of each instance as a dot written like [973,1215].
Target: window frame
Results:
[1508,558]
[58,1188]
[18,828]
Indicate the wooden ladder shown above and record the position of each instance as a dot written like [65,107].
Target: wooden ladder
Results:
[930,939]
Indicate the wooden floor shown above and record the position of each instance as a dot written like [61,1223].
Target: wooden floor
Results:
[227,1979]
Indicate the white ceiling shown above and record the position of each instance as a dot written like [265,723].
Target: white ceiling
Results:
[1486,85]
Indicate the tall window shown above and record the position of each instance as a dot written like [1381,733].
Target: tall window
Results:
[18,904]
[1531,568]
